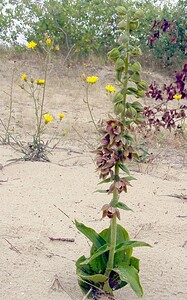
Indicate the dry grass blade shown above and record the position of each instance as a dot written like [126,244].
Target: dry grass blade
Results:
[12,247]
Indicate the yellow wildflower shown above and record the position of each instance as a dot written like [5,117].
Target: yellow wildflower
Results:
[31,45]
[110,89]
[48,118]
[92,79]
[57,48]
[24,77]
[177,96]
[40,81]
[61,116]
[48,41]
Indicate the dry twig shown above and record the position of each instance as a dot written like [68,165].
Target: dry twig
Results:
[62,239]
[12,247]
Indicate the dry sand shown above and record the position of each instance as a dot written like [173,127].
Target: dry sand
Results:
[40,200]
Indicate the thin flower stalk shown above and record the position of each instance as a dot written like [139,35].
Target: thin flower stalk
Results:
[43,97]
[90,81]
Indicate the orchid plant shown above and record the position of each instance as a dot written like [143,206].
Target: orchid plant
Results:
[111,264]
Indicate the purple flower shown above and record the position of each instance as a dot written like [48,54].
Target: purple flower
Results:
[120,186]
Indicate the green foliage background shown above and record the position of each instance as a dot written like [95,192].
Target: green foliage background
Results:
[90,25]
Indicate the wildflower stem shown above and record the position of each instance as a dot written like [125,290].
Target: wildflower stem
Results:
[88,105]
[36,110]
[43,98]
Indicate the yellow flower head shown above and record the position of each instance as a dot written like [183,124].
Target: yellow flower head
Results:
[48,118]
[92,79]
[48,41]
[31,45]
[61,116]
[57,48]
[177,96]
[24,77]
[40,81]
[110,89]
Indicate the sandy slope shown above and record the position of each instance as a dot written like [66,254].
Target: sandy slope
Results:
[34,194]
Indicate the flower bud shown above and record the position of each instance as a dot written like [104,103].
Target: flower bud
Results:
[121,10]
[136,52]
[131,112]
[138,14]
[136,67]
[143,85]
[118,97]
[120,64]
[133,25]
[118,108]
[135,77]
[122,25]
[140,94]
[114,54]
[123,39]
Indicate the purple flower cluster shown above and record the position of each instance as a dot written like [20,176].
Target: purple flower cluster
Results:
[166,92]
[113,149]
[160,117]
[163,27]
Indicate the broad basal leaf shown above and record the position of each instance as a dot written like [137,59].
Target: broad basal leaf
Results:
[91,234]
[130,275]
[96,254]
[95,278]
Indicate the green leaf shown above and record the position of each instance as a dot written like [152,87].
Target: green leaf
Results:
[122,206]
[91,234]
[107,288]
[130,275]
[105,181]
[124,168]
[129,178]
[127,122]
[101,191]
[97,253]
[82,269]
[130,244]
[135,263]
[95,278]
[129,138]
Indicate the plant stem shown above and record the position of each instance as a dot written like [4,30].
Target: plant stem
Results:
[88,105]
[36,110]
[43,98]
[125,84]
[113,228]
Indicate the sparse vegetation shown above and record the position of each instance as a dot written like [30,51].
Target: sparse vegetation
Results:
[84,31]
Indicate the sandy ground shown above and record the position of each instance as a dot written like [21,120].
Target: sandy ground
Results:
[41,200]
